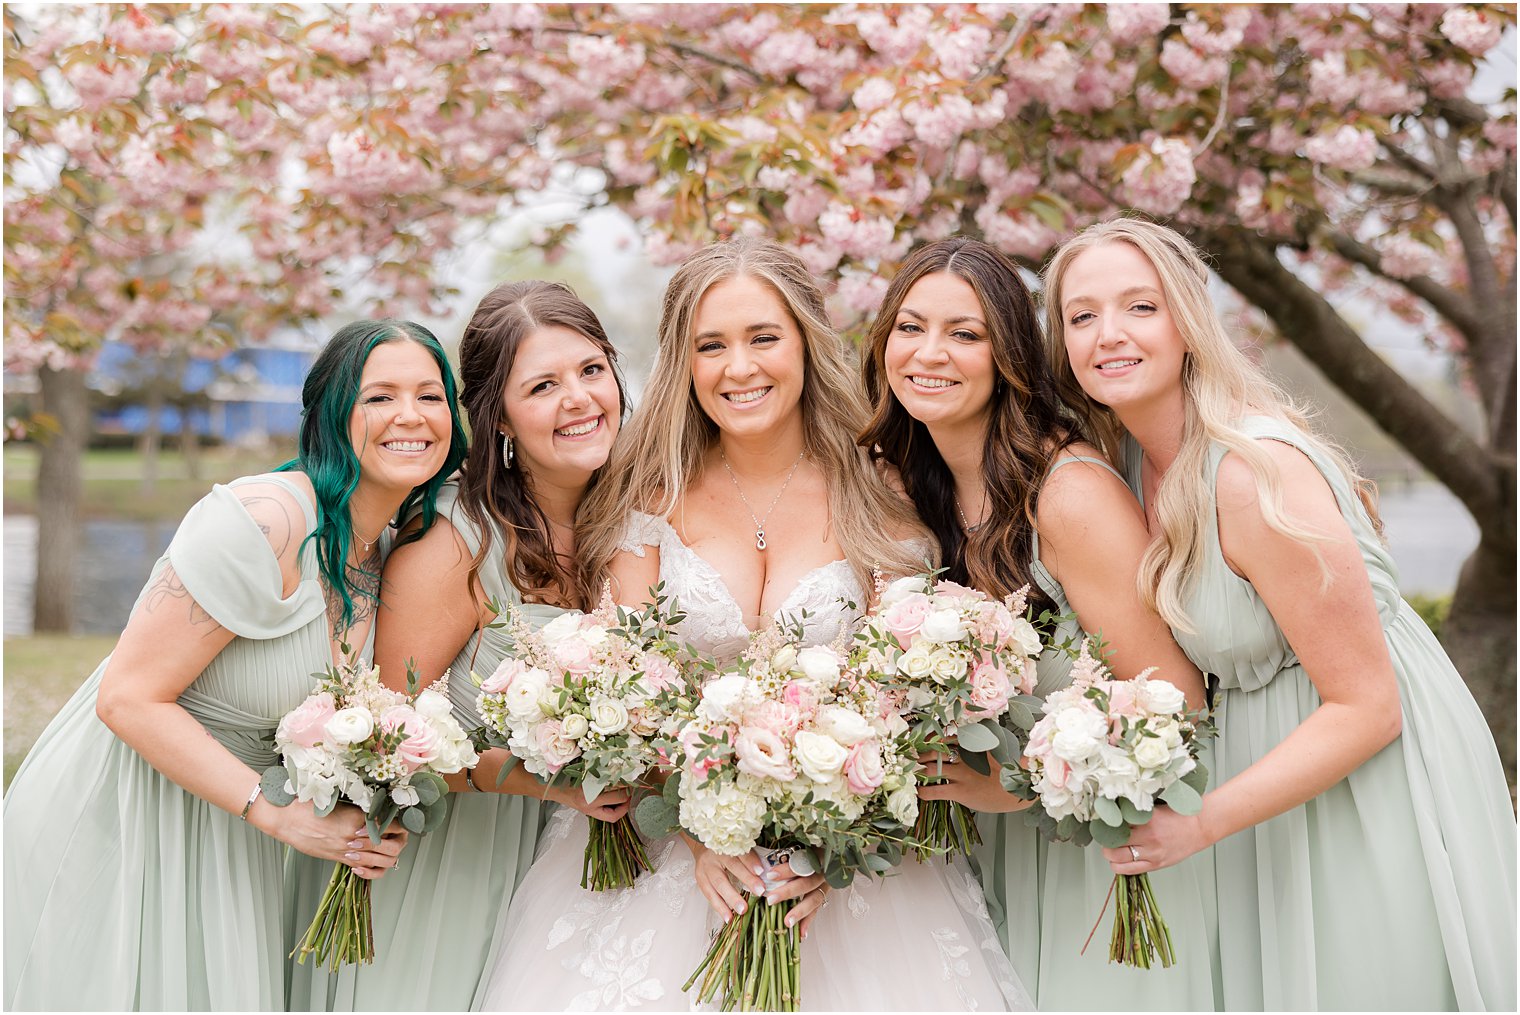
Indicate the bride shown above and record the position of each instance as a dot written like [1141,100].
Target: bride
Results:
[759,506]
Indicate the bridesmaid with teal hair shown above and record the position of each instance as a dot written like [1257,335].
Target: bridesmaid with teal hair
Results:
[1362,830]
[544,400]
[968,417]
[142,864]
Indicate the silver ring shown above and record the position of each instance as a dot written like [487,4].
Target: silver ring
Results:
[1134,854]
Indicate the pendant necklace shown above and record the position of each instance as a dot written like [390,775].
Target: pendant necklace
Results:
[966,525]
[368,544]
[760,522]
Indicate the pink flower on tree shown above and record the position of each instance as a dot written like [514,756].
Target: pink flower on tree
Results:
[1349,148]
[1161,180]
[1474,30]
[1130,24]
[862,293]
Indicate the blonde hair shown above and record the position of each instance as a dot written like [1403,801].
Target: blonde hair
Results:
[1219,386]
[661,448]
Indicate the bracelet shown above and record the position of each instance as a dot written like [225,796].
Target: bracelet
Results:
[469,780]
[258,788]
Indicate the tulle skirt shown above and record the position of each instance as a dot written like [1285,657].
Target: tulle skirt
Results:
[919,939]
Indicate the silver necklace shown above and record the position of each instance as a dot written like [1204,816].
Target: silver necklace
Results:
[760,522]
[965,522]
[369,543]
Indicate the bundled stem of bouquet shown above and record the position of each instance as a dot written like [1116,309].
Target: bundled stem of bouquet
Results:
[1103,755]
[752,963]
[580,702]
[354,739]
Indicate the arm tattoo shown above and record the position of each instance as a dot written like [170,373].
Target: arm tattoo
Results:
[168,592]
[272,514]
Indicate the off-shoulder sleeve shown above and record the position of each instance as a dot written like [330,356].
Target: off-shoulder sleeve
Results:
[642,530]
[229,568]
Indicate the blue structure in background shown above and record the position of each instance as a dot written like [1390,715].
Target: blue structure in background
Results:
[252,394]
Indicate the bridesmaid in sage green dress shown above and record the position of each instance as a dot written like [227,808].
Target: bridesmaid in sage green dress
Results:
[540,388]
[955,356]
[142,865]
[1363,836]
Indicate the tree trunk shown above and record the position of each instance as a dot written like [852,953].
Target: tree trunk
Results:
[189,444]
[151,441]
[1479,635]
[66,399]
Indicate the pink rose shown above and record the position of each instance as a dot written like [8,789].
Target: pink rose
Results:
[990,688]
[558,750]
[904,617]
[954,590]
[503,676]
[1056,772]
[689,738]
[1122,700]
[775,716]
[303,725]
[801,695]
[863,770]
[660,672]
[764,754]
[1025,676]
[574,655]
[421,744]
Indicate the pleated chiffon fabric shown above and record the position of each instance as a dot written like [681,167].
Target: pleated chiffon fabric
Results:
[1395,888]
[439,915]
[123,891]
[1046,896]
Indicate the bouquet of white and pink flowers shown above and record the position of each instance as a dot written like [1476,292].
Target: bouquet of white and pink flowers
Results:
[580,702]
[789,751]
[962,661]
[1104,753]
[354,739]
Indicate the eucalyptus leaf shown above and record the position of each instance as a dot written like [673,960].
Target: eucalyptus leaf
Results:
[1182,798]
[1020,714]
[876,863]
[1108,811]
[1065,826]
[977,736]
[591,787]
[1105,834]
[273,784]
[435,815]
[671,791]
[328,808]
[839,877]
[655,817]
[1198,778]
[1009,748]
[975,760]
[413,819]
[1132,814]
[428,789]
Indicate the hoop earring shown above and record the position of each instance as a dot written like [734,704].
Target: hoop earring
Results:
[506,450]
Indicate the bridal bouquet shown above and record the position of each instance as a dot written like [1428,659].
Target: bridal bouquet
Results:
[791,752]
[385,752]
[1097,762]
[963,661]
[581,702]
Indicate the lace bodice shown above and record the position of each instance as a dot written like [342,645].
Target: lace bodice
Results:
[830,595]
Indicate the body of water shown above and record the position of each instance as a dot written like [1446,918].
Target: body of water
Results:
[1428,531]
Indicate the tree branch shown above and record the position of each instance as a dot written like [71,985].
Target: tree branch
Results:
[1308,320]
[1445,301]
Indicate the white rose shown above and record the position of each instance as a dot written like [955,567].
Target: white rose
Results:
[575,725]
[432,705]
[523,696]
[917,663]
[1161,697]
[1025,638]
[842,725]
[723,697]
[350,725]
[945,666]
[561,627]
[785,660]
[902,804]
[820,757]
[1079,731]
[1152,752]
[405,796]
[942,626]
[594,635]
[608,716]
[901,589]
[820,663]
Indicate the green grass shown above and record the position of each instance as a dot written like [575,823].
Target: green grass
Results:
[41,672]
[113,480]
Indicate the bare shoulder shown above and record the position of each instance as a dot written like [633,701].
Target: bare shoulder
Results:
[277,511]
[1305,493]
[441,549]
[1082,491]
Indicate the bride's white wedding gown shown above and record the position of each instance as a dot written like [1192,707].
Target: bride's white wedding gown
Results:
[920,939]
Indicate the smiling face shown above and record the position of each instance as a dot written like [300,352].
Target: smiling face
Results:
[938,357]
[748,359]
[1121,339]
[400,423]
[562,405]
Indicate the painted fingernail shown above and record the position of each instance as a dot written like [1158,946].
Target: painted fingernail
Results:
[351,856]
[790,921]
[355,844]
[741,907]
[759,870]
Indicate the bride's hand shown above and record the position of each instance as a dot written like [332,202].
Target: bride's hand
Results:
[610,805]
[717,873]
[812,890]
[965,785]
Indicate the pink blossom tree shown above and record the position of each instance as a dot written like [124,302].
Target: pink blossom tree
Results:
[1308,148]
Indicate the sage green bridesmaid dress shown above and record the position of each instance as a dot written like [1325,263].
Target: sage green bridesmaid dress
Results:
[1046,896]
[124,891]
[1395,888]
[438,916]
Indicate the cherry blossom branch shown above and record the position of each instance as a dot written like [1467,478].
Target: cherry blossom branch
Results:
[1447,302]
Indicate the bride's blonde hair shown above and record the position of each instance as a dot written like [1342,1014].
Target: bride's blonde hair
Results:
[1219,386]
[661,448]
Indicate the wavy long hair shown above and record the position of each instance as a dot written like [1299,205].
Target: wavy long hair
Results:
[1219,386]
[1026,424]
[497,499]
[325,453]
[661,449]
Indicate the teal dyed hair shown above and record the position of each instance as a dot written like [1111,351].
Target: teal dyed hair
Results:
[326,455]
